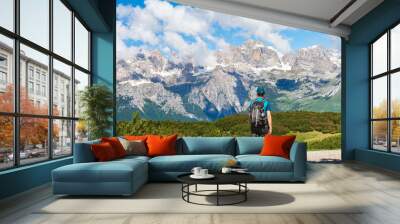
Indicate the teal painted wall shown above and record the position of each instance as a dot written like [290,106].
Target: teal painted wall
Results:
[93,13]
[103,63]
[24,178]
[356,84]
[103,53]
[380,159]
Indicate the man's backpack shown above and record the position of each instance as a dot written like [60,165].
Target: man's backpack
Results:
[258,117]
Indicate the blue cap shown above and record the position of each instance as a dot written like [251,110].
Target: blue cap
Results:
[260,90]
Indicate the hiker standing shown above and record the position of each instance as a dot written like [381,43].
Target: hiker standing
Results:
[260,114]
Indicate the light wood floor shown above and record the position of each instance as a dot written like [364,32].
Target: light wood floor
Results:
[377,188]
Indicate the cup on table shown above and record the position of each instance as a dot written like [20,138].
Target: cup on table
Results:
[196,171]
[203,172]
[226,170]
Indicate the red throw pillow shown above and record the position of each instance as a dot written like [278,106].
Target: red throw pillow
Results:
[277,146]
[116,145]
[161,145]
[135,138]
[103,151]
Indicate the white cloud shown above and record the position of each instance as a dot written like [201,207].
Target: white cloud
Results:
[196,52]
[124,11]
[279,42]
[140,25]
[186,32]
[180,19]
[264,31]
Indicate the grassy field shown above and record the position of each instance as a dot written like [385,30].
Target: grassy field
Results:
[319,130]
[317,140]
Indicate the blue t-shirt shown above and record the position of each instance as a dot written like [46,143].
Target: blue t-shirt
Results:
[267,106]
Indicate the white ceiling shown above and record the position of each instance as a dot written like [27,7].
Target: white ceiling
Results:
[320,9]
[315,15]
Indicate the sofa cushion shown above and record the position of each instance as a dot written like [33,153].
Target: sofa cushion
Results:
[103,152]
[116,145]
[249,145]
[112,171]
[135,147]
[257,163]
[185,163]
[159,145]
[275,145]
[206,145]
[83,152]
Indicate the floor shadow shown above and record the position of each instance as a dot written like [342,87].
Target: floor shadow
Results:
[327,161]
[148,191]
[256,198]
[94,196]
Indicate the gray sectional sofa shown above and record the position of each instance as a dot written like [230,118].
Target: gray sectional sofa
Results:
[125,176]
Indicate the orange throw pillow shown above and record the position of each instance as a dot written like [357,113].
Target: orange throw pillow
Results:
[135,138]
[277,146]
[116,145]
[161,145]
[103,152]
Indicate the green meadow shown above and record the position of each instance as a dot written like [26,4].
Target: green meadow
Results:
[320,130]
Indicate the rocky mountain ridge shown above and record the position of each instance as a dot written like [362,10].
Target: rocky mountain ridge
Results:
[162,88]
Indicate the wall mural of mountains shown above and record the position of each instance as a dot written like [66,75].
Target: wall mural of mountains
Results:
[189,71]
[161,88]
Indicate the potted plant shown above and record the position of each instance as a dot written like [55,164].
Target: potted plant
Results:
[96,102]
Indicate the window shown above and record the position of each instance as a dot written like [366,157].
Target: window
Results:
[379,56]
[62,137]
[30,88]
[395,136]
[44,91]
[3,61]
[37,89]
[30,72]
[62,74]
[45,117]
[55,102]
[37,75]
[40,62]
[3,78]
[81,131]
[6,74]
[6,142]
[395,47]
[81,45]
[385,94]
[81,82]
[3,72]
[33,140]
[379,97]
[7,14]
[35,21]
[62,29]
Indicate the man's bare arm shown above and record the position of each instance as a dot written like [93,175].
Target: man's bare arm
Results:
[269,117]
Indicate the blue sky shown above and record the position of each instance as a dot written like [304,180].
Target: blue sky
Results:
[188,32]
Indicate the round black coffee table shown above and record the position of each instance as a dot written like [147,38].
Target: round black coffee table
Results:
[238,179]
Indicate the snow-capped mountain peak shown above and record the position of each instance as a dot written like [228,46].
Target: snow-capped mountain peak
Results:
[151,83]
